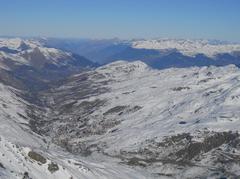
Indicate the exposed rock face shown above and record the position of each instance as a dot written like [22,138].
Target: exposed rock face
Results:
[37,157]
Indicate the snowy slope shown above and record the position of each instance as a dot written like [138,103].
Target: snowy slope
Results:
[41,56]
[188,47]
[151,118]
[208,95]
[18,44]
[7,61]
[18,142]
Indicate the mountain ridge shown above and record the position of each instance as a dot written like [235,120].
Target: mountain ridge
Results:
[157,53]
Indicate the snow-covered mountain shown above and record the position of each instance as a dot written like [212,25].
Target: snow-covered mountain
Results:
[179,123]
[189,47]
[120,120]
[17,44]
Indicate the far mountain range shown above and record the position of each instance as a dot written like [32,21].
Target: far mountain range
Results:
[157,53]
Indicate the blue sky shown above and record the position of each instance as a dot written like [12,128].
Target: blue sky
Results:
[212,19]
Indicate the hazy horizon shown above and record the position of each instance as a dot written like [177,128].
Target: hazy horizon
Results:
[107,19]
